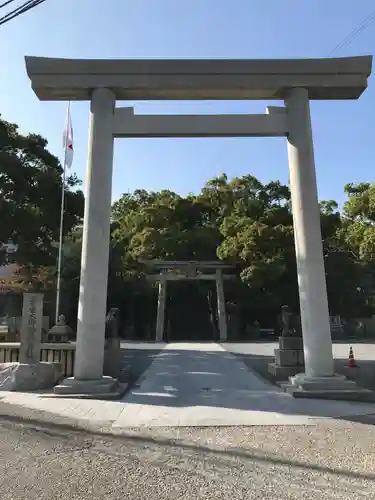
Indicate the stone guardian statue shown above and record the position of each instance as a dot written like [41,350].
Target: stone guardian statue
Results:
[288,323]
[113,323]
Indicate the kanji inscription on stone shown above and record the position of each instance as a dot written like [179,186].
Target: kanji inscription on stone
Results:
[31,328]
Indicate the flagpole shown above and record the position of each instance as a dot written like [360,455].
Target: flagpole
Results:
[61,237]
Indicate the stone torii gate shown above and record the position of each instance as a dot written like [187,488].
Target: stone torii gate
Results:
[295,82]
[194,271]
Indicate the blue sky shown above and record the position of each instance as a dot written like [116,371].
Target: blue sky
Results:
[343,131]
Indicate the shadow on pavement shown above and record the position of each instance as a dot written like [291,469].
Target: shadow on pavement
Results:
[363,374]
[135,363]
[220,379]
[189,379]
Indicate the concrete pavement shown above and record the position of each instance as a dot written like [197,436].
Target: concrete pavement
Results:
[362,350]
[192,385]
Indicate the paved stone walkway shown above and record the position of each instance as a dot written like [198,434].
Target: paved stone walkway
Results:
[194,385]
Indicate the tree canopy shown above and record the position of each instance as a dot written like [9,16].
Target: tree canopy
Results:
[30,196]
[242,221]
[250,223]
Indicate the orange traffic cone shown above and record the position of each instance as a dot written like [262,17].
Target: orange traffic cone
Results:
[351,361]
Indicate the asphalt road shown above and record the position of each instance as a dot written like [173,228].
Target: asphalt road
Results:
[269,463]
[135,362]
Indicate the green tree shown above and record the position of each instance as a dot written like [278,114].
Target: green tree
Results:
[164,225]
[30,189]
[257,231]
[245,222]
[356,236]
[358,229]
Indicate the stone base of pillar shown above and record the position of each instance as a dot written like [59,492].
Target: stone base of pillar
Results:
[103,388]
[336,387]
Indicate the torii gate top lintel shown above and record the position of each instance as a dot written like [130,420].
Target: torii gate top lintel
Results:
[174,270]
[295,81]
[183,264]
[184,79]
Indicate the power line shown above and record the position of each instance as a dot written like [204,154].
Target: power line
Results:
[354,33]
[17,11]
[6,3]
[26,6]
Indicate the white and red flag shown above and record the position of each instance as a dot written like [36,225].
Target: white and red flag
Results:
[68,141]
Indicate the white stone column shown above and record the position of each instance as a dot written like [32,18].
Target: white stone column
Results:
[223,332]
[88,368]
[162,298]
[308,239]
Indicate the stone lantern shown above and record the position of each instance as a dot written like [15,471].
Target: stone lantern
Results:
[61,332]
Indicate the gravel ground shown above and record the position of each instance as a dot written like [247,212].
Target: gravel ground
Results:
[40,460]
[48,462]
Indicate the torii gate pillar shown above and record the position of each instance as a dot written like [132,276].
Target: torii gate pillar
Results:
[295,81]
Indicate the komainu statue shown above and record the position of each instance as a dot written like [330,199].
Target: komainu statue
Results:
[288,323]
[113,323]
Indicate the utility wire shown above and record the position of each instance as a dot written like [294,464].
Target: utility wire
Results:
[6,3]
[354,34]
[17,11]
[26,6]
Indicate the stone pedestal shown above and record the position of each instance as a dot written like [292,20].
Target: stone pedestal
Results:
[112,358]
[289,358]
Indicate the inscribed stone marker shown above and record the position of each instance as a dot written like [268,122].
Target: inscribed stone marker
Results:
[31,328]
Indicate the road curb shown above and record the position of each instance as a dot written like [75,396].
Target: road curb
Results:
[14,413]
